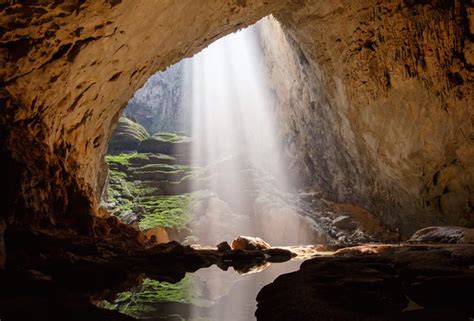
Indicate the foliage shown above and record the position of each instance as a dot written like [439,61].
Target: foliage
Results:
[166,211]
[127,195]
[141,300]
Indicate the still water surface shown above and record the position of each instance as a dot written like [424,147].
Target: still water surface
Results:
[208,294]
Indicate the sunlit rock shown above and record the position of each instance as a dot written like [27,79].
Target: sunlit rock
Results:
[157,235]
[249,243]
[173,144]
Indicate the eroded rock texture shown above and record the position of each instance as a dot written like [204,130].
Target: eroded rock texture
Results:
[389,125]
[159,104]
[67,70]
[378,104]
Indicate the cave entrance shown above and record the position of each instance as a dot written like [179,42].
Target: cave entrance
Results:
[197,156]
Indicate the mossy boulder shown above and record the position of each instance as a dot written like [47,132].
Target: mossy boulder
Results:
[126,136]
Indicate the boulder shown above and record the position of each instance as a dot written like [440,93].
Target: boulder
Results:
[158,234]
[344,222]
[249,243]
[126,136]
[223,246]
[391,285]
[443,234]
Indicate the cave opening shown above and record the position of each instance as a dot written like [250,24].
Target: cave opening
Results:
[198,156]
[348,128]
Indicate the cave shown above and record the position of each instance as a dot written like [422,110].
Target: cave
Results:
[364,114]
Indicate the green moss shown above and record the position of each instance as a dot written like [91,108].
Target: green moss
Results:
[162,211]
[121,159]
[165,211]
[142,299]
[128,158]
[136,177]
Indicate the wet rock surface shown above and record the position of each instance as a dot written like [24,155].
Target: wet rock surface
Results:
[398,283]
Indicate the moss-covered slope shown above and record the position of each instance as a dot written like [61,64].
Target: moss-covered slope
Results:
[152,188]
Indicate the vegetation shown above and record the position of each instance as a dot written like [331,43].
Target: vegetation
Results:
[127,194]
[143,299]
[129,158]
[165,211]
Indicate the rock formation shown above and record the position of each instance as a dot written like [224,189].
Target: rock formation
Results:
[384,121]
[396,283]
[127,136]
[68,68]
[376,102]
[159,105]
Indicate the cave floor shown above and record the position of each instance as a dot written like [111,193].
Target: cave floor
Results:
[365,282]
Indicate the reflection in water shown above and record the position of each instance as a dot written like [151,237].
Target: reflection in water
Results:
[208,294]
[231,296]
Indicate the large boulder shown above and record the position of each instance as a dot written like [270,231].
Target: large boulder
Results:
[443,234]
[249,243]
[126,136]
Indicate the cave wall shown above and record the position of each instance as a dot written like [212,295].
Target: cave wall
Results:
[392,78]
[377,104]
[397,103]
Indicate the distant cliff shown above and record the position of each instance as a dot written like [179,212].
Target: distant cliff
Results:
[158,105]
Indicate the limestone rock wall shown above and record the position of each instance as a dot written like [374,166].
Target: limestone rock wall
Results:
[159,104]
[379,108]
[385,119]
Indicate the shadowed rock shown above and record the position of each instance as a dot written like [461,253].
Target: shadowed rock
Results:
[443,234]
[406,283]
